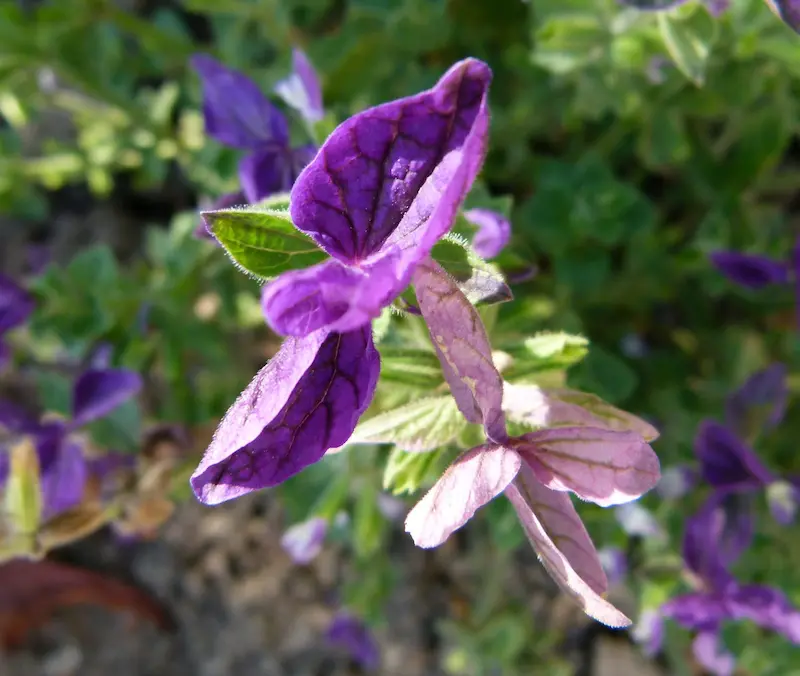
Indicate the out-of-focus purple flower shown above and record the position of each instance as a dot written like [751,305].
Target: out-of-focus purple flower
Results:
[383,189]
[731,466]
[638,521]
[350,634]
[237,114]
[788,10]
[676,482]
[63,468]
[633,346]
[712,542]
[391,507]
[16,305]
[750,270]
[39,258]
[494,231]
[715,7]
[760,403]
[796,252]
[301,90]
[615,563]
[303,541]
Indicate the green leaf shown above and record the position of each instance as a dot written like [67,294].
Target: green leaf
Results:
[689,41]
[369,524]
[406,472]
[545,352]
[23,492]
[422,425]
[263,243]
[412,367]
[606,375]
[481,281]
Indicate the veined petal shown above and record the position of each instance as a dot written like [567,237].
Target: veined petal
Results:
[16,304]
[494,231]
[563,545]
[301,90]
[397,173]
[599,465]
[330,296]
[475,478]
[97,392]
[307,399]
[463,348]
[532,405]
[236,112]
[750,270]
[726,461]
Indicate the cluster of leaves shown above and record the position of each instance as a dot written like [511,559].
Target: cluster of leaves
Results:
[629,145]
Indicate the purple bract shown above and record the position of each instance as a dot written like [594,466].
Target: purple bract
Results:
[535,471]
[382,190]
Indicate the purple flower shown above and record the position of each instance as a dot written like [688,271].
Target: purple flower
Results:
[63,468]
[615,564]
[712,542]
[301,90]
[351,634]
[382,190]
[716,7]
[676,482]
[237,114]
[303,541]
[759,404]
[16,305]
[788,10]
[494,231]
[731,466]
[535,471]
[750,270]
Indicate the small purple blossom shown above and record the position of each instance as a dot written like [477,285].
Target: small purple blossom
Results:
[302,90]
[615,564]
[383,189]
[494,231]
[750,270]
[303,541]
[676,482]
[760,403]
[63,468]
[350,634]
[638,521]
[237,114]
[16,305]
[712,542]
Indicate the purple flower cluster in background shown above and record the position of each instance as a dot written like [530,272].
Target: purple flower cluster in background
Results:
[714,539]
[724,527]
[64,469]
[754,271]
[16,305]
